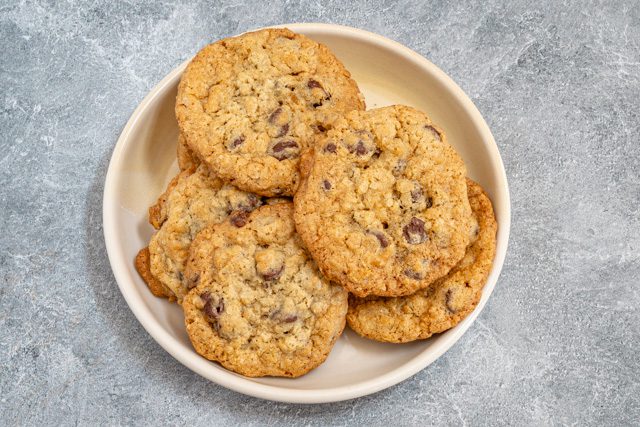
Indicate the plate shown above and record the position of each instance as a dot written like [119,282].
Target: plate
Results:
[143,161]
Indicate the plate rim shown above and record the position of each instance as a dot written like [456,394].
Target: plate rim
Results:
[245,385]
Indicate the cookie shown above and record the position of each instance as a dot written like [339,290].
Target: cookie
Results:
[142,264]
[444,304]
[186,158]
[157,211]
[383,205]
[261,306]
[250,105]
[194,201]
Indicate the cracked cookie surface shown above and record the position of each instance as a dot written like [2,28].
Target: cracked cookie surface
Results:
[194,199]
[261,306]
[250,105]
[382,206]
[445,303]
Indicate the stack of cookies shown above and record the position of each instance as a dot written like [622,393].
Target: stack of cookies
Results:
[297,211]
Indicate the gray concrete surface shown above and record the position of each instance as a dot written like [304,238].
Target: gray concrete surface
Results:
[559,85]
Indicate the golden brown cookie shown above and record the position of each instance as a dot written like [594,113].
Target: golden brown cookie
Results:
[156,287]
[250,105]
[445,303]
[383,205]
[194,201]
[261,306]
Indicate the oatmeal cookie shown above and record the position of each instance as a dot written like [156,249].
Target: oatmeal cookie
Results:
[383,205]
[250,105]
[261,307]
[445,303]
[194,201]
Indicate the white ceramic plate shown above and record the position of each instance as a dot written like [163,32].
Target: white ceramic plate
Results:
[144,160]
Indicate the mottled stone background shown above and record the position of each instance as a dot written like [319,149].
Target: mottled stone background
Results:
[559,85]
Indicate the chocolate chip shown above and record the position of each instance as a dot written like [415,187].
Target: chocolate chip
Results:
[429,202]
[326,184]
[321,128]
[382,238]
[416,193]
[205,296]
[236,142]
[284,129]
[365,144]
[193,281]
[414,232]
[360,149]
[273,274]
[448,299]
[282,145]
[290,318]
[433,130]
[239,218]
[330,148]
[286,149]
[313,84]
[274,115]
[415,275]
[212,309]
[283,317]
[180,276]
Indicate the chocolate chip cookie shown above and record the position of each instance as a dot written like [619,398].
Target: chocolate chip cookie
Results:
[445,303]
[261,307]
[383,205]
[250,105]
[196,199]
